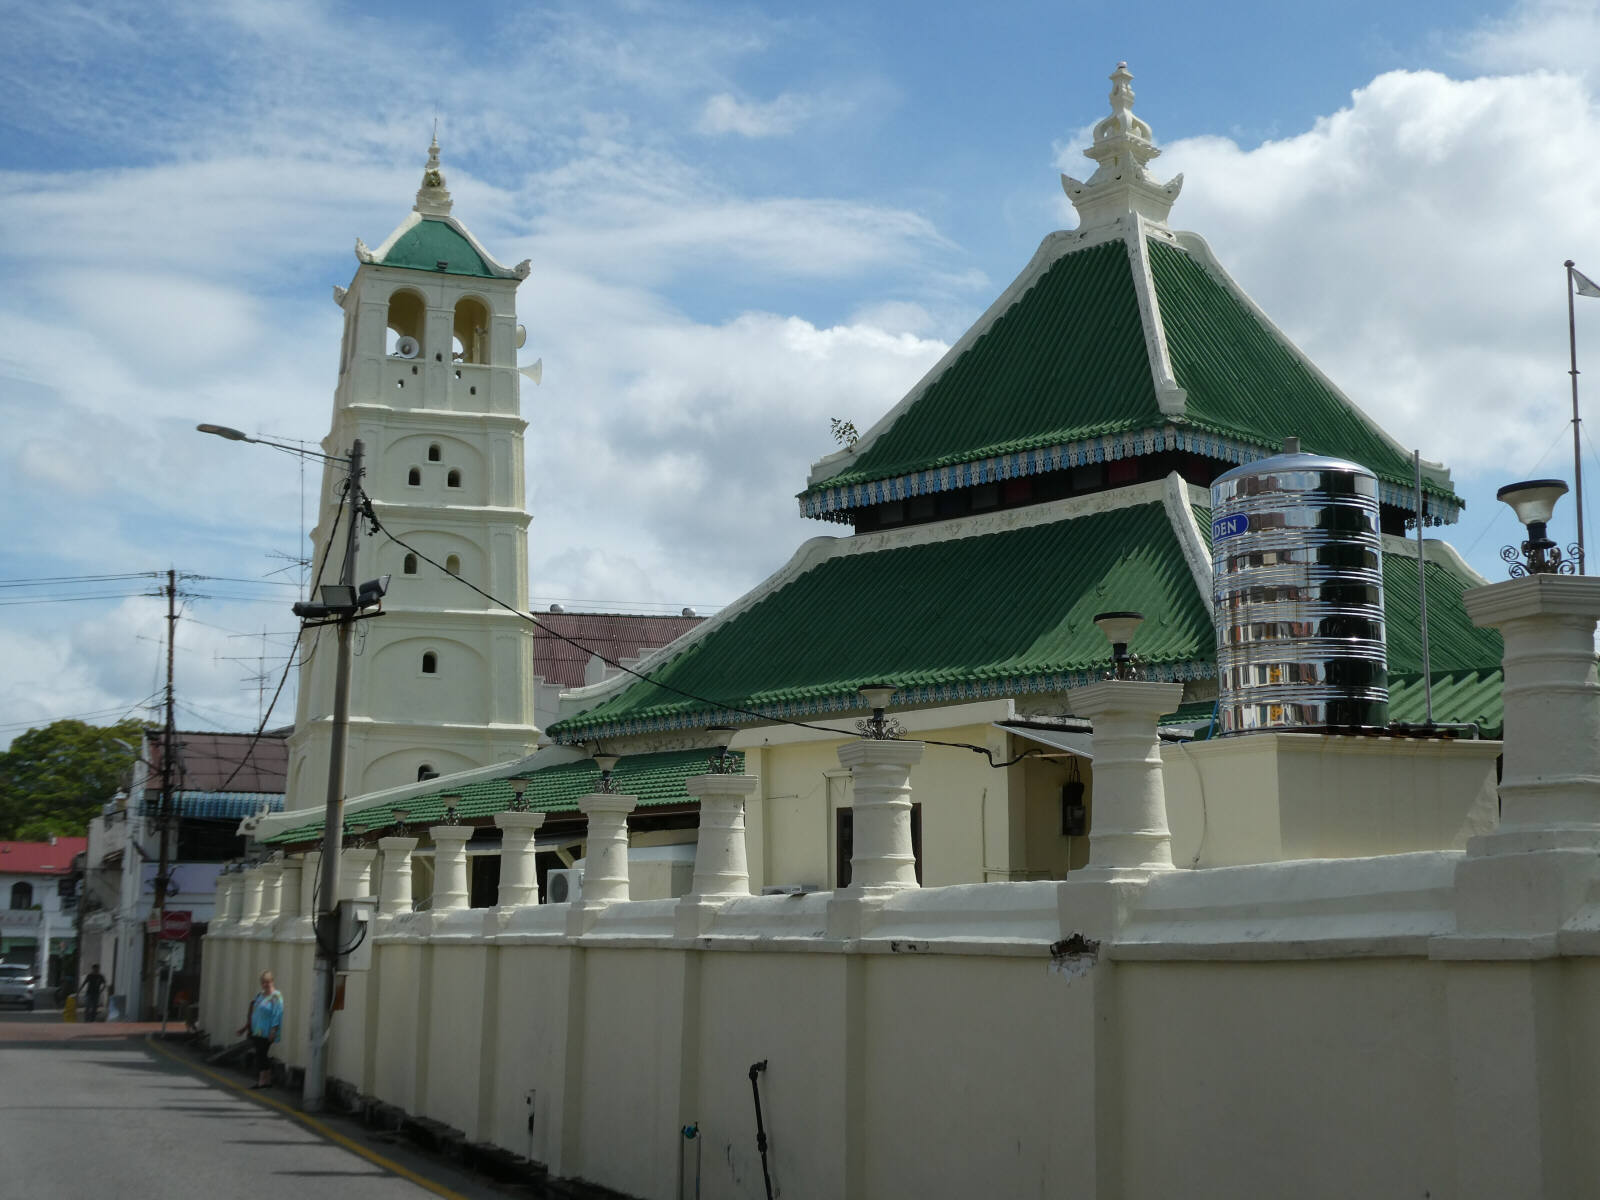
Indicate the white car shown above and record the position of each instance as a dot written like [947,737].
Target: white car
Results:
[17,985]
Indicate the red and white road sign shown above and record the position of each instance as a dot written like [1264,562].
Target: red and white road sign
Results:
[175,924]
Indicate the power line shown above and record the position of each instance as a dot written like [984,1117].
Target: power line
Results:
[719,705]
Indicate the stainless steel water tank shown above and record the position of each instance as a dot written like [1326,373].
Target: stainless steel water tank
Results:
[1297,576]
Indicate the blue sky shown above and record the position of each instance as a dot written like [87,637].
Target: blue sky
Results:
[743,220]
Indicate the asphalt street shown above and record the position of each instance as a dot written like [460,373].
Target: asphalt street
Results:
[90,1111]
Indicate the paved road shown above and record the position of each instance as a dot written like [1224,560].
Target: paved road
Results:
[92,1112]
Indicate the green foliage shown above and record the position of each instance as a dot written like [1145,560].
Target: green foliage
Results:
[54,779]
[844,432]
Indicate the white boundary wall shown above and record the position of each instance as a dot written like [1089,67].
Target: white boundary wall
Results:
[1270,1030]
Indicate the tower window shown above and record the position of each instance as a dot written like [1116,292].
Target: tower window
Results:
[471,329]
[410,565]
[430,663]
[426,771]
[434,453]
[406,314]
[453,479]
[414,477]
[453,564]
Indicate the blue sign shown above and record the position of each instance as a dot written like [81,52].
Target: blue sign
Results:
[1230,526]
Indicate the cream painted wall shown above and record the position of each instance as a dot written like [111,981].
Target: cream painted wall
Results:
[910,1066]
[964,809]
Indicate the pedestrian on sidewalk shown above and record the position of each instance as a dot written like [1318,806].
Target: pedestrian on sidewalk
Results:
[264,1023]
[93,984]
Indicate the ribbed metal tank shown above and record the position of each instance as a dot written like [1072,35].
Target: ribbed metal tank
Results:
[1297,576]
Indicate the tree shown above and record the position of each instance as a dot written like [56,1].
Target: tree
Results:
[55,779]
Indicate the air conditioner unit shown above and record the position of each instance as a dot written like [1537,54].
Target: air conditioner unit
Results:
[561,887]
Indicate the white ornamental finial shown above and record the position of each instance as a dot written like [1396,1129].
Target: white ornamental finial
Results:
[1121,146]
[433,198]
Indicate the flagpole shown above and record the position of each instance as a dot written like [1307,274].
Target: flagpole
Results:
[1577,455]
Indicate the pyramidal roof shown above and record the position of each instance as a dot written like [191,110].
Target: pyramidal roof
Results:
[430,239]
[1120,338]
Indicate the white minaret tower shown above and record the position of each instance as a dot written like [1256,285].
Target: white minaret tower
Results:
[428,381]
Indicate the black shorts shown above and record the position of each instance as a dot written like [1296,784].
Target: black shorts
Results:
[259,1047]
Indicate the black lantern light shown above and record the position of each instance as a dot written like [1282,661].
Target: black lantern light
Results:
[722,763]
[878,727]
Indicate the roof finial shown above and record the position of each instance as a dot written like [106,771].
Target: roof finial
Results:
[1121,146]
[433,198]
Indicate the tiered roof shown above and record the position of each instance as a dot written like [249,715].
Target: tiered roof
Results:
[1120,339]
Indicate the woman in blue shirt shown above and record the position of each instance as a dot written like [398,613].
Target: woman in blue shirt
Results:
[265,1025]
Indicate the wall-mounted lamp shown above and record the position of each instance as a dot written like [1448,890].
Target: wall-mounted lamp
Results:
[1534,502]
[1119,628]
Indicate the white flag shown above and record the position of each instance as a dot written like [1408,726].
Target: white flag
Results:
[1586,286]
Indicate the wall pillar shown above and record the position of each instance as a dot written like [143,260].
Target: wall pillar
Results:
[355,872]
[1128,819]
[605,859]
[721,865]
[1129,839]
[519,880]
[289,889]
[394,894]
[881,856]
[271,891]
[1519,885]
[450,866]
[250,896]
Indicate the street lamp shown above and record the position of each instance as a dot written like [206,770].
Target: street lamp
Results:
[721,737]
[878,727]
[1119,629]
[340,605]
[607,764]
[1534,502]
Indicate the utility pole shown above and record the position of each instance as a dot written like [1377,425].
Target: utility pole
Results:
[325,920]
[168,754]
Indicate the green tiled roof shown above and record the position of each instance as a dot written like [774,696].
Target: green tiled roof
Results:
[655,779]
[1458,697]
[1243,382]
[428,243]
[1067,361]
[1063,377]
[1454,643]
[964,618]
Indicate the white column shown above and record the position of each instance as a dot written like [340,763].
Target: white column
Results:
[250,907]
[220,904]
[395,894]
[1128,834]
[519,880]
[1551,780]
[720,864]
[271,882]
[881,851]
[234,898]
[355,872]
[310,879]
[1518,886]
[605,865]
[289,888]
[450,866]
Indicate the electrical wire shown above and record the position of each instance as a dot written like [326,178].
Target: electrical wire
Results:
[719,705]
[338,515]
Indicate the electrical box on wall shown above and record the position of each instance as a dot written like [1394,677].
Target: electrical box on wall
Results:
[355,933]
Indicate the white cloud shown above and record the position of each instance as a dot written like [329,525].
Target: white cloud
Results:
[726,113]
[1561,35]
[1412,244]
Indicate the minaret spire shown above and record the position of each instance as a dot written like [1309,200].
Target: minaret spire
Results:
[1122,144]
[433,198]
